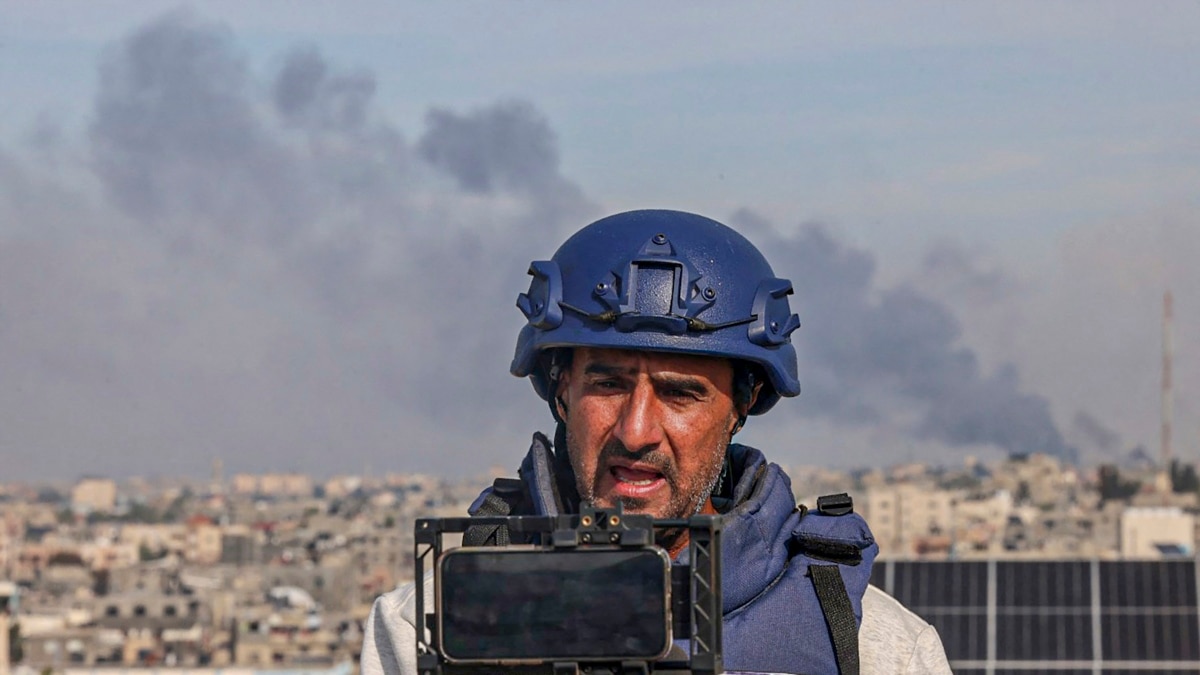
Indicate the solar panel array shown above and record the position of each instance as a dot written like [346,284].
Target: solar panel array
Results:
[1075,616]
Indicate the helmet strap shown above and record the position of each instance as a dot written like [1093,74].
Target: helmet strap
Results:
[741,422]
[747,382]
[564,473]
[559,360]
[724,488]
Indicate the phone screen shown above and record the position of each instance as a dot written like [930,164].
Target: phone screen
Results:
[554,605]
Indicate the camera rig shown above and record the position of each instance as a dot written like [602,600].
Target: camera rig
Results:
[694,591]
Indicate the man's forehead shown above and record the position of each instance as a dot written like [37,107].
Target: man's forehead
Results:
[637,359]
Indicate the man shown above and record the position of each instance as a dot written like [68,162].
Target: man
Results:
[653,335]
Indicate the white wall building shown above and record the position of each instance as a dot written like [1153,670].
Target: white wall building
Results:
[1155,532]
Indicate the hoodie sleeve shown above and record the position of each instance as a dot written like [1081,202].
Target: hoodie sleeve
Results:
[929,656]
[389,637]
[895,640]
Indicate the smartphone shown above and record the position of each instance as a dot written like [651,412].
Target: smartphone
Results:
[542,605]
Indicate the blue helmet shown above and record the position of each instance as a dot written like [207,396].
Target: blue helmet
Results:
[663,281]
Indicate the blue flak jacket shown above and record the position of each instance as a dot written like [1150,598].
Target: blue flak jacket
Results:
[773,620]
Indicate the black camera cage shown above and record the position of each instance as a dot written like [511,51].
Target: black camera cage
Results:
[695,587]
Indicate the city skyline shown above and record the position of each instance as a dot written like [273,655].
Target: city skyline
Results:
[279,570]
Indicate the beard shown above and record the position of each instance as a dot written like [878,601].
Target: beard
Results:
[688,493]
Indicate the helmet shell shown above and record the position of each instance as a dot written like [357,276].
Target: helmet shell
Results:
[665,281]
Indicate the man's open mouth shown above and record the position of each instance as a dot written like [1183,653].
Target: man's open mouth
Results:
[638,477]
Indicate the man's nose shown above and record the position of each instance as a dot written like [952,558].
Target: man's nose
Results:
[640,427]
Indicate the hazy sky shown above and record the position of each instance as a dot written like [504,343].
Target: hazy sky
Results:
[290,235]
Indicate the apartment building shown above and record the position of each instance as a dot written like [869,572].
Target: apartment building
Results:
[94,495]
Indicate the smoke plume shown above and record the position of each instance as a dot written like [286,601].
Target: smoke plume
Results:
[271,271]
[896,354]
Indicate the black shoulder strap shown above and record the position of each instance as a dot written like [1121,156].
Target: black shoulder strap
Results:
[505,498]
[839,615]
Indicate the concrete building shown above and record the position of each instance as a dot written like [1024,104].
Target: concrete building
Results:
[32,560]
[979,523]
[1036,479]
[204,541]
[275,637]
[94,494]
[155,627]
[106,555]
[241,545]
[66,578]
[341,486]
[908,518]
[285,485]
[169,537]
[12,535]
[244,484]
[70,646]
[273,485]
[1156,532]
[9,604]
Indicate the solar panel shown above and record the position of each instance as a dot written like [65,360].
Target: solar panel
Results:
[941,584]
[879,574]
[1030,616]
[1170,583]
[1044,637]
[964,634]
[1150,636]
[1043,584]
[1047,671]
[1142,671]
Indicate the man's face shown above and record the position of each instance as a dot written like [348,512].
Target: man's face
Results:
[647,429]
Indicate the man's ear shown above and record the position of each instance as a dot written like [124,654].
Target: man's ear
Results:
[744,402]
[743,407]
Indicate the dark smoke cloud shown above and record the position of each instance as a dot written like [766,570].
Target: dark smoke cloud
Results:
[1093,432]
[947,265]
[305,91]
[175,130]
[508,145]
[272,274]
[869,355]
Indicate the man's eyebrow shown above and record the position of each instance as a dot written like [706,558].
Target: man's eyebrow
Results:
[606,369]
[683,382]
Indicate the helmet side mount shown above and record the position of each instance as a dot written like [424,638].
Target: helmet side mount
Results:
[773,319]
[542,304]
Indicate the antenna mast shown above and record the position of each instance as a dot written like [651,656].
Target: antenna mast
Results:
[1168,404]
